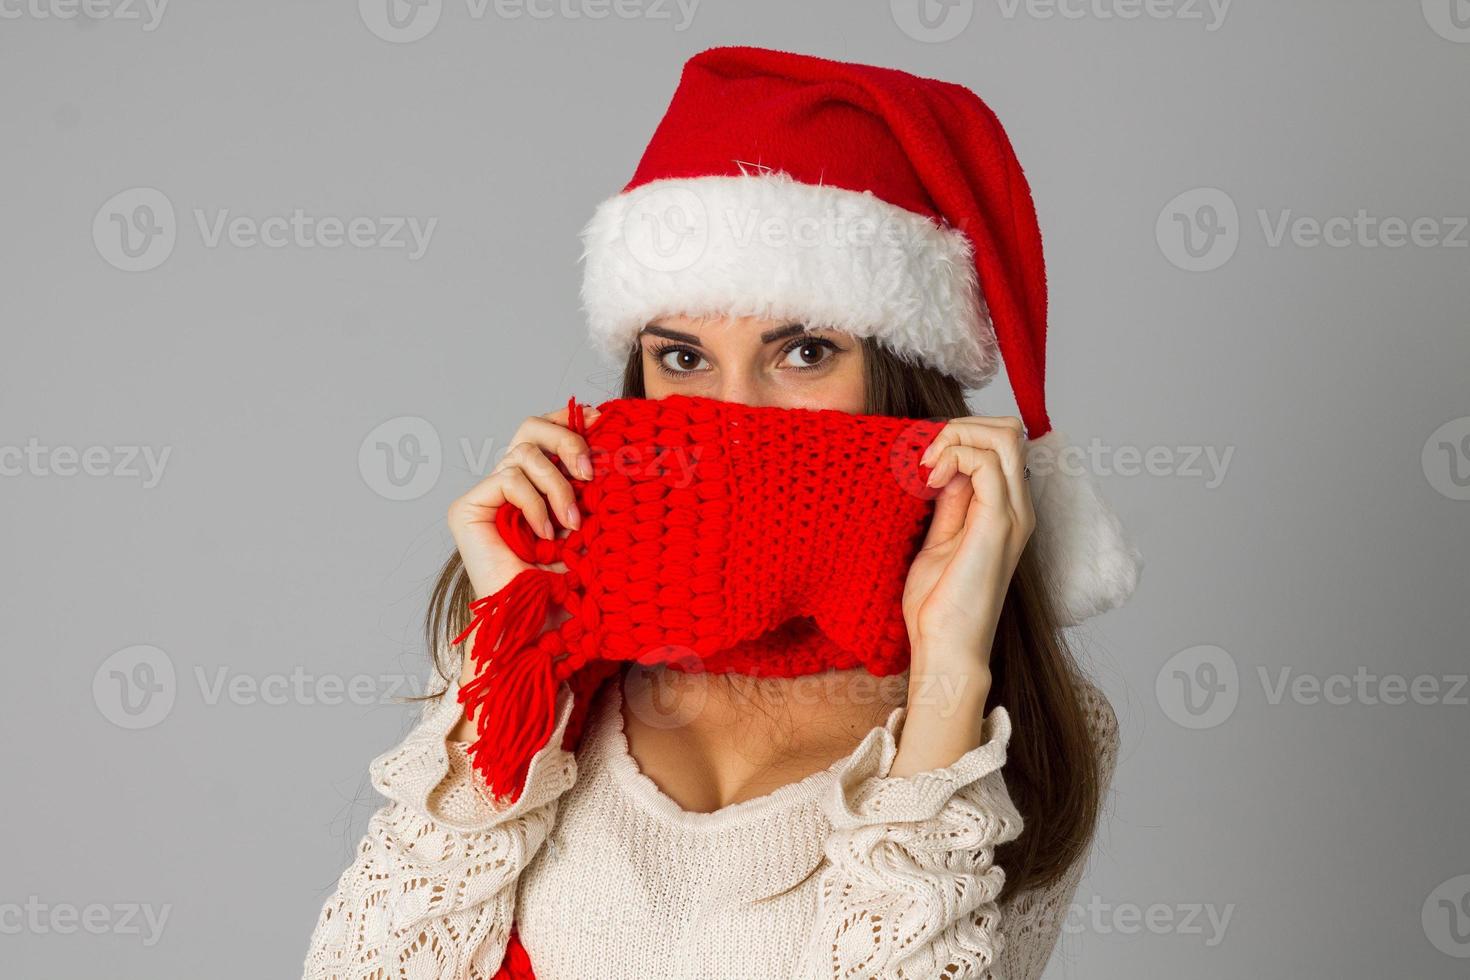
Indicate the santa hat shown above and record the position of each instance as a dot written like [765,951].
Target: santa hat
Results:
[867,200]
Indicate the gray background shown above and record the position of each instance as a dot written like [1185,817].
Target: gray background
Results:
[1335,542]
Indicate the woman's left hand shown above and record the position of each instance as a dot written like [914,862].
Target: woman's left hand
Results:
[982,520]
[958,581]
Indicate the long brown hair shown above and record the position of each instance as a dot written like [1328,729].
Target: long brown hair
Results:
[1051,762]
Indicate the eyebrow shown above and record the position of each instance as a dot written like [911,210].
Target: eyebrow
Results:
[665,332]
[776,333]
[782,332]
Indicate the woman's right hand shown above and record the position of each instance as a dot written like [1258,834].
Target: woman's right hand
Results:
[527,478]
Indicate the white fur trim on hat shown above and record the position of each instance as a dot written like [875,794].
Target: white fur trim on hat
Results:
[764,244]
[1082,548]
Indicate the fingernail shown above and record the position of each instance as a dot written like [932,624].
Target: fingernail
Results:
[932,474]
[574,519]
[584,466]
[547,531]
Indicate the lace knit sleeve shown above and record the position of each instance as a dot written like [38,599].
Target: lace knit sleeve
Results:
[910,889]
[431,893]
[1032,920]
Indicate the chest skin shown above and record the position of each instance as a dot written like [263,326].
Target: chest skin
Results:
[712,740]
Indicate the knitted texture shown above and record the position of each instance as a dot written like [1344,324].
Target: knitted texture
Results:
[715,536]
[596,874]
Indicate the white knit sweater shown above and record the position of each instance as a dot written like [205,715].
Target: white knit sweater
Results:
[847,873]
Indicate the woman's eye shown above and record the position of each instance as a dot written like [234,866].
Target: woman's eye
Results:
[681,360]
[807,354]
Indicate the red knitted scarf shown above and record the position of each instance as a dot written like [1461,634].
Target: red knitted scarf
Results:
[714,536]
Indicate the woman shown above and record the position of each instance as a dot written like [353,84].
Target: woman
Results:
[775,832]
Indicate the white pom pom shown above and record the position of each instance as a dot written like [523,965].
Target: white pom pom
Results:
[1082,547]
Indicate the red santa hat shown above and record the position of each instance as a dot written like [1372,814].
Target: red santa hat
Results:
[866,200]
